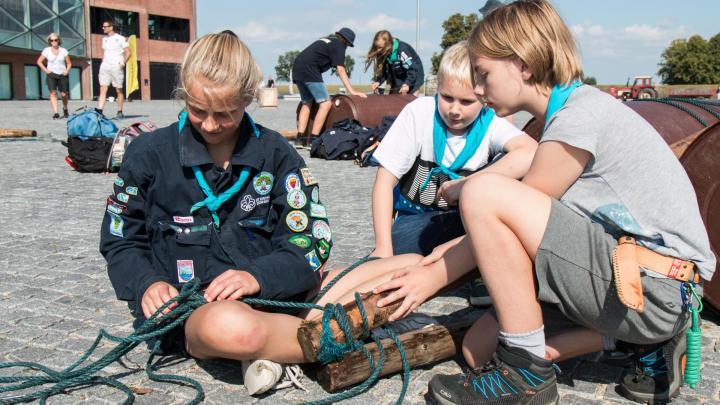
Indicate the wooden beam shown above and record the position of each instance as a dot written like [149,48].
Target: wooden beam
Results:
[16,133]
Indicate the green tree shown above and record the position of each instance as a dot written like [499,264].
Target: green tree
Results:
[590,80]
[457,27]
[349,66]
[690,61]
[284,65]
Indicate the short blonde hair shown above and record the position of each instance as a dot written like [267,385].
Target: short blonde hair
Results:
[455,65]
[534,32]
[223,60]
[54,34]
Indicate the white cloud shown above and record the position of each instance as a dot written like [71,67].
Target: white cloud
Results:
[376,23]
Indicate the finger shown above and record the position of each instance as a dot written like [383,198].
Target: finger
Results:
[237,295]
[157,303]
[392,298]
[430,259]
[399,273]
[146,310]
[213,290]
[388,285]
[402,311]
[165,297]
[228,291]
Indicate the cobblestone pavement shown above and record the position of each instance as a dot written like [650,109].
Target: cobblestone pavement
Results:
[55,295]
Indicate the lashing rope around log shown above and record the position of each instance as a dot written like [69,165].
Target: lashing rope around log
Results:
[190,298]
[676,103]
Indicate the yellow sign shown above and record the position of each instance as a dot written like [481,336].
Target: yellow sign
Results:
[131,68]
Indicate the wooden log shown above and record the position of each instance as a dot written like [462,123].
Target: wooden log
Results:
[309,331]
[423,346]
[16,133]
[289,133]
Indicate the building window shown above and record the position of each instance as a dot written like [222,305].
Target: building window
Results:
[125,23]
[163,28]
[33,89]
[5,82]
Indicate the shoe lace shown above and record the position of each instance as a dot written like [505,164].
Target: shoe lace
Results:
[291,377]
[651,364]
[472,373]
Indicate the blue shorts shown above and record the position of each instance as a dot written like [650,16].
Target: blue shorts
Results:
[421,233]
[310,91]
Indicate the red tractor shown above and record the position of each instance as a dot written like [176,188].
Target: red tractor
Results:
[642,87]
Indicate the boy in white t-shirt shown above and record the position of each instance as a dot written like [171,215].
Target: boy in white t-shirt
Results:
[116,52]
[411,183]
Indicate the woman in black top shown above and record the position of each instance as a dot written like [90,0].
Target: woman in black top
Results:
[395,62]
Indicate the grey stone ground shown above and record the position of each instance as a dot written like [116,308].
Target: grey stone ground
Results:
[55,296]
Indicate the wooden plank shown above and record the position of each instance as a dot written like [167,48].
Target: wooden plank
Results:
[17,133]
[422,347]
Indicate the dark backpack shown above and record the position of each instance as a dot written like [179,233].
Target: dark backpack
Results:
[90,138]
[339,142]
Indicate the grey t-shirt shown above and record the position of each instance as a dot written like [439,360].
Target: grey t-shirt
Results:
[633,184]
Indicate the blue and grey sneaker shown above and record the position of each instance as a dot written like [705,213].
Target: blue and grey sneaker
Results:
[513,376]
[658,373]
[479,295]
[412,322]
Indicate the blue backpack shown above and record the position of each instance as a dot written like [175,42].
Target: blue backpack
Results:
[89,123]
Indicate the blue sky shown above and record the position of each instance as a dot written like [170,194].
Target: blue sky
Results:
[617,38]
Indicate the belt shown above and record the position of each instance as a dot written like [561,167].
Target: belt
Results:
[669,266]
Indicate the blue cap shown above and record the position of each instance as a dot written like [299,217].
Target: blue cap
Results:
[348,34]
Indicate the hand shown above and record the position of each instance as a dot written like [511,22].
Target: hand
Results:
[155,296]
[47,71]
[375,86]
[232,285]
[404,89]
[359,94]
[382,251]
[66,73]
[439,251]
[414,285]
[450,191]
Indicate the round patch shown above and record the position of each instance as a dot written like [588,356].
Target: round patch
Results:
[292,182]
[263,182]
[301,241]
[296,199]
[321,230]
[297,221]
[315,194]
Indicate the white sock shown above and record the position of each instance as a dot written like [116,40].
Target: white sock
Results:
[533,341]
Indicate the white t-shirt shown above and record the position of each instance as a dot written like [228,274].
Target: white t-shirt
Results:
[407,150]
[114,47]
[56,63]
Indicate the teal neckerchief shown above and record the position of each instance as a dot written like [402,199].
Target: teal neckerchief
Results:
[393,55]
[211,201]
[558,98]
[475,135]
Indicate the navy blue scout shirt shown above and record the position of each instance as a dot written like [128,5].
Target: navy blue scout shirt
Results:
[317,58]
[274,228]
[406,69]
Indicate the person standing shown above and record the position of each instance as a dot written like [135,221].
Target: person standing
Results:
[307,72]
[395,62]
[57,70]
[116,52]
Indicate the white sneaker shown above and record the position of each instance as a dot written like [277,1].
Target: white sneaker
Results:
[261,376]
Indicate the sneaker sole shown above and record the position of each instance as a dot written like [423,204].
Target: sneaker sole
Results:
[480,301]
[528,401]
[661,397]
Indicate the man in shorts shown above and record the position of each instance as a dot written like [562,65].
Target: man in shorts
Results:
[112,69]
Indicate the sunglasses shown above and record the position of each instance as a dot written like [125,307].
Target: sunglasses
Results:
[54,40]
[106,26]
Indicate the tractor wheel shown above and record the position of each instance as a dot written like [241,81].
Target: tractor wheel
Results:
[647,93]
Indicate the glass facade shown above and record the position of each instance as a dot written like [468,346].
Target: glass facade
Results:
[27,23]
[5,82]
[163,28]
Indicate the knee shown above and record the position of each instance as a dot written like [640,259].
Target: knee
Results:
[63,95]
[325,105]
[224,327]
[480,193]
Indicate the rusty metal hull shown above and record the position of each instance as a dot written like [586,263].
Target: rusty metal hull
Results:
[368,111]
[702,164]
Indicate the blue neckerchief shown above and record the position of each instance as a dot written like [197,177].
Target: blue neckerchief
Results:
[558,98]
[211,201]
[475,135]
[393,54]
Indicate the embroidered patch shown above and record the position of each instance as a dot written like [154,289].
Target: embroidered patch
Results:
[318,211]
[308,178]
[123,197]
[185,270]
[297,221]
[115,207]
[301,241]
[248,203]
[183,220]
[116,224]
[263,182]
[296,199]
[321,230]
[119,181]
[315,194]
[131,190]
[313,260]
[292,182]
[322,247]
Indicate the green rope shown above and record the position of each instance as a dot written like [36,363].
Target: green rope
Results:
[677,105]
[693,351]
[189,299]
[699,104]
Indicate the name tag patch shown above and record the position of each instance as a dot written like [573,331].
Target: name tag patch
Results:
[183,220]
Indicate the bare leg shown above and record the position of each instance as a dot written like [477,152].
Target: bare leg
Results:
[102,97]
[303,117]
[234,330]
[505,230]
[120,97]
[64,98]
[53,101]
[322,113]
